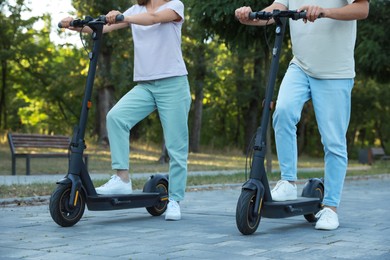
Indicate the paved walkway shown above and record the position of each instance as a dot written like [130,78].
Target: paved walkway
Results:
[207,231]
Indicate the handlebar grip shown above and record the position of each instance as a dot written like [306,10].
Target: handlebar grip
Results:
[60,24]
[120,18]
[262,15]
[75,23]
[300,15]
[252,15]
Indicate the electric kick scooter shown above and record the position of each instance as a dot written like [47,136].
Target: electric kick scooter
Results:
[67,202]
[255,200]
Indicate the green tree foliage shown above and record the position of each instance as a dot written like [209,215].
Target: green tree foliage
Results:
[15,34]
[249,60]
[37,76]
[370,121]
[373,43]
[42,84]
[114,74]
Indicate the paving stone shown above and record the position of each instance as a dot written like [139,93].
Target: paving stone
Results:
[207,231]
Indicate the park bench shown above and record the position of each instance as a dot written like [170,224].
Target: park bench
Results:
[378,153]
[368,156]
[38,146]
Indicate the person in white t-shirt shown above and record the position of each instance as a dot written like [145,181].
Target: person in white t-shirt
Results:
[322,70]
[162,84]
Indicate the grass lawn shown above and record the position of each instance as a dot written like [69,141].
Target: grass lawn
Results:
[143,158]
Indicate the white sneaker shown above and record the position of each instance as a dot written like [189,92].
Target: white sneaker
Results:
[115,186]
[327,219]
[173,211]
[284,190]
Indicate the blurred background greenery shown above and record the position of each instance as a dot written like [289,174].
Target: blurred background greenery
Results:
[42,82]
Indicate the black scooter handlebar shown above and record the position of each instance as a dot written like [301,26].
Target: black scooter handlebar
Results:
[262,15]
[89,19]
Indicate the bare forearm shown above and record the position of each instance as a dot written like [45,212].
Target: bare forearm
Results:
[164,16]
[358,10]
[142,19]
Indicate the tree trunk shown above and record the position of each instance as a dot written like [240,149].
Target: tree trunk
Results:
[240,88]
[251,115]
[3,120]
[378,128]
[164,157]
[200,74]
[197,119]
[251,122]
[103,105]
[104,97]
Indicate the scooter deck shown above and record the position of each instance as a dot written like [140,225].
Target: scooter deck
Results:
[284,209]
[120,201]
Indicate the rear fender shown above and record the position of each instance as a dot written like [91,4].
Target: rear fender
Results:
[151,184]
[314,188]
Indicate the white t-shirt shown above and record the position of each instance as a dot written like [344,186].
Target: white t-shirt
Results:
[323,49]
[157,48]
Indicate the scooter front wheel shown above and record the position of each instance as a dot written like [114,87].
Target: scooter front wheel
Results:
[59,208]
[159,209]
[247,221]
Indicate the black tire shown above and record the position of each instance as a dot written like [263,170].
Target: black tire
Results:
[247,222]
[159,209]
[59,206]
[316,192]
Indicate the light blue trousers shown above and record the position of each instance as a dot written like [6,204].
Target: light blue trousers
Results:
[331,100]
[171,97]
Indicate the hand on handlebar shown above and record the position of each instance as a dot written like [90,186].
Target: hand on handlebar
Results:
[66,23]
[112,17]
[312,12]
[242,13]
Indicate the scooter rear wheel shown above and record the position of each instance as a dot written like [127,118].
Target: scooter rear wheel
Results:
[247,222]
[159,209]
[59,208]
[314,188]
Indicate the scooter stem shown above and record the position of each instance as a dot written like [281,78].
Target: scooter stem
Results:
[77,145]
[258,170]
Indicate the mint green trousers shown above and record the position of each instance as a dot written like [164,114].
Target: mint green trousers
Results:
[171,97]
